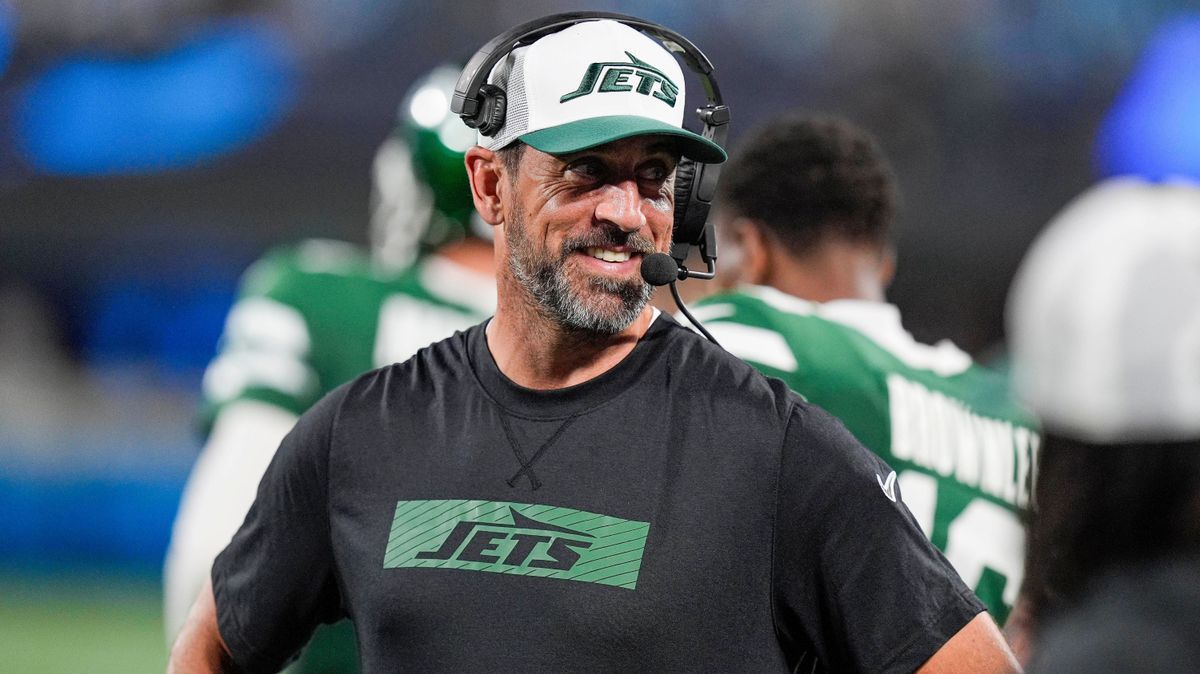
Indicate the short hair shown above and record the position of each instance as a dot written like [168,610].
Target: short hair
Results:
[510,156]
[809,177]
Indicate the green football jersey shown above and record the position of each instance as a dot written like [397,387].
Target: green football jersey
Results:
[962,450]
[313,316]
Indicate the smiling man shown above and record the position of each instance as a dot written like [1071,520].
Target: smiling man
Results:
[607,292]
[580,483]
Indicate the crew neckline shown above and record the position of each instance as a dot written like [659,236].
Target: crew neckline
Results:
[572,400]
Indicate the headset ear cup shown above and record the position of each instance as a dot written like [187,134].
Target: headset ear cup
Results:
[492,110]
[685,176]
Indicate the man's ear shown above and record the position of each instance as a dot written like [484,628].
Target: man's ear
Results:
[756,252]
[485,170]
[887,266]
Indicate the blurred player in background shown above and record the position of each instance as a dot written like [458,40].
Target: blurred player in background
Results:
[1104,322]
[315,315]
[804,211]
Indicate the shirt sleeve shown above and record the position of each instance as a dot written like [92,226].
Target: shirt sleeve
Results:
[275,581]
[266,348]
[856,582]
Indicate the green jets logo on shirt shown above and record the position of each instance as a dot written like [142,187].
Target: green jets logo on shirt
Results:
[517,538]
[617,76]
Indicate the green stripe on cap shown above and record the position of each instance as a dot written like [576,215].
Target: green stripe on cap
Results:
[588,133]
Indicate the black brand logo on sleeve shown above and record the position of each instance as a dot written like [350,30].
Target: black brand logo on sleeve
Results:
[517,538]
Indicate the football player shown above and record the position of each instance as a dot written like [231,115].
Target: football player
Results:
[804,211]
[314,315]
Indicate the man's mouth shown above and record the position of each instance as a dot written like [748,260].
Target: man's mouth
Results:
[607,254]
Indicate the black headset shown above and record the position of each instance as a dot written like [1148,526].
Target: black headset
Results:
[482,106]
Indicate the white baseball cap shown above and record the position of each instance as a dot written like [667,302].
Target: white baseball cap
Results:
[1104,315]
[593,83]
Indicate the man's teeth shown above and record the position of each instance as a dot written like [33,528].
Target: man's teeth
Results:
[608,255]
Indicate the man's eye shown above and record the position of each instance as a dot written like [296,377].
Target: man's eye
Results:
[655,174]
[584,168]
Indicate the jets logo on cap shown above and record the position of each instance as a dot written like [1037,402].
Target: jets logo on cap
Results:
[637,75]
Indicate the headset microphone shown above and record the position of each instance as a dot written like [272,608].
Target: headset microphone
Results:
[660,269]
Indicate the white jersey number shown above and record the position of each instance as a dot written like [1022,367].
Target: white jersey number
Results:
[983,536]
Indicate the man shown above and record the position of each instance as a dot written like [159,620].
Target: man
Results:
[1104,319]
[804,212]
[317,314]
[580,483]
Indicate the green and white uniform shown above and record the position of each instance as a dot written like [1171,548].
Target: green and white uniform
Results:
[964,452]
[317,314]
[313,316]
[308,318]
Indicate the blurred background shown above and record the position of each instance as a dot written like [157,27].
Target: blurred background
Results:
[151,149]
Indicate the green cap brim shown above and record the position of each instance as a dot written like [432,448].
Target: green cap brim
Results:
[588,133]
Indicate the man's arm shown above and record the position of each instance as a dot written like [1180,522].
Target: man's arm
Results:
[857,581]
[219,491]
[275,581]
[200,647]
[978,647]
[1018,630]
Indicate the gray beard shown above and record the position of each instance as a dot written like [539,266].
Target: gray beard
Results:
[547,282]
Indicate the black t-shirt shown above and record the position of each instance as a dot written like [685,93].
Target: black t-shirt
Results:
[678,512]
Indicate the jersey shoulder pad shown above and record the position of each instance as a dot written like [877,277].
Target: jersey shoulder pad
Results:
[787,336]
[289,271]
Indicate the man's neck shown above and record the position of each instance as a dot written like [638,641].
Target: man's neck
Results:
[536,352]
[471,253]
[837,272]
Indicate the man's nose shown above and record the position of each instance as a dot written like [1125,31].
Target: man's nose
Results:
[621,204]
